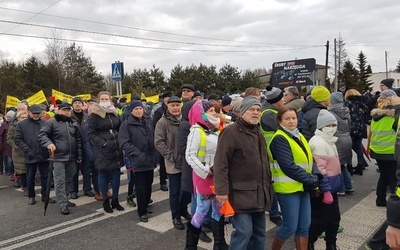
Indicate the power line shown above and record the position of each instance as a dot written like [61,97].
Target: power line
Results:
[153,31]
[160,48]
[36,14]
[125,36]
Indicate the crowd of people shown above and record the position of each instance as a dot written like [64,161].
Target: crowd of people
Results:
[265,151]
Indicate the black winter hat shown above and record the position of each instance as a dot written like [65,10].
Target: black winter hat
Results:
[388,82]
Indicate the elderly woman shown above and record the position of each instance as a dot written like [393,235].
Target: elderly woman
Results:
[136,138]
[104,123]
[381,143]
[17,154]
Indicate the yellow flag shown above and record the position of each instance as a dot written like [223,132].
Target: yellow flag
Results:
[142,96]
[37,98]
[85,97]
[154,98]
[128,97]
[61,96]
[12,101]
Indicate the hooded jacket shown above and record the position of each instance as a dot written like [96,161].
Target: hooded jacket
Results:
[344,142]
[166,142]
[103,130]
[358,115]
[65,135]
[136,139]
[241,168]
[308,120]
[26,138]
[376,115]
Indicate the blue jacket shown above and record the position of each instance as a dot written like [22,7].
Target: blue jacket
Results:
[136,139]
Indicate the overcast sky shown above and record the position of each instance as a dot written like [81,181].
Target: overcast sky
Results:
[247,34]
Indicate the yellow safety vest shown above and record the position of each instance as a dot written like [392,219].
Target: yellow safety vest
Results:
[383,137]
[282,183]
[201,154]
[268,134]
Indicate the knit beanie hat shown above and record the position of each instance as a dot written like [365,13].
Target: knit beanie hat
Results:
[388,82]
[273,95]
[320,94]
[337,97]
[325,118]
[77,99]
[387,93]
[247,102]
[134,104]
[206,105]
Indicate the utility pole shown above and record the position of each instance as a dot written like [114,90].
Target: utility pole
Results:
[326,63]
[336,73]
[387,73]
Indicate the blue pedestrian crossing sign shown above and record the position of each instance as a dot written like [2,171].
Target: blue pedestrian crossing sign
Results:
[117,71]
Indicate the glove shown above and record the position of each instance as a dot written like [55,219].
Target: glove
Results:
[328,199]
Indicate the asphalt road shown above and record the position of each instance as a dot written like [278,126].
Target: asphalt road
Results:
[23,226]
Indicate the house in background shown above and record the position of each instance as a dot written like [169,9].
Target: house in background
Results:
[376,78]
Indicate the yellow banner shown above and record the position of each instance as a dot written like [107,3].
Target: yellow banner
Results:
[37,98]
[154,98]
[62,96]
[12,102]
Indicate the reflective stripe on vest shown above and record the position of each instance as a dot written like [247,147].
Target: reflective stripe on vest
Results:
[268,134]
[201,154]
[383,137]
[282,183]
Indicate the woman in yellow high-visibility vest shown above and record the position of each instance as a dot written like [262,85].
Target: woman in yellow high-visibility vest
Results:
[294,175]
[381,143]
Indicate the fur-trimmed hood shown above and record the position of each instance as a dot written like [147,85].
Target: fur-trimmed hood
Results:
[378,113]
[96,109]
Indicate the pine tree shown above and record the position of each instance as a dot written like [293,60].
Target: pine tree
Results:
[364,72]
[349,76]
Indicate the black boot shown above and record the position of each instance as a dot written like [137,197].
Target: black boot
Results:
[331,246]
[115,204]
[106,206]
[219,234]
[350,169]
[358,170]
[192,236]
[311,246]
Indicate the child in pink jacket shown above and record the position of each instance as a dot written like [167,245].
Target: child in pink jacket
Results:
[325,214]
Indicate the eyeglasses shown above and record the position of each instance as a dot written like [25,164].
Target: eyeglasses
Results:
[254,110]
[187,90]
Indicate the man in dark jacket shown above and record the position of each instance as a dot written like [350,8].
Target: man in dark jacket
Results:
[157,116]
[166,142]
[320,99]
[6,150]
[242,176]
[61,131]
[80,118]
[35,156]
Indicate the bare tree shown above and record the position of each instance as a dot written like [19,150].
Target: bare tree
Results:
[55,53]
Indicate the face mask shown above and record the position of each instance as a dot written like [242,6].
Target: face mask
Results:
[215,121]
[330,131]
[105,104]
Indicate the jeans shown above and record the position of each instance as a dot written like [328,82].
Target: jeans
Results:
[63,173]
[85,170]
[31,169]
[357,147]
[387,177]
[8,164]
[324,218]
[249,231]
[296,214]
[274,212]
[107,176]
[178,200]
[346,179]
[143,181]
